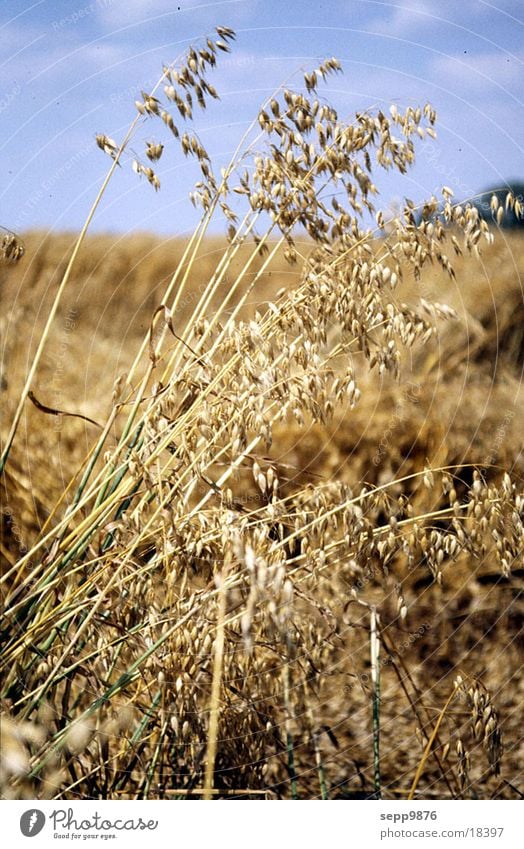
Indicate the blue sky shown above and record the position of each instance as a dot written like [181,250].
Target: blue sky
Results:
[73,68]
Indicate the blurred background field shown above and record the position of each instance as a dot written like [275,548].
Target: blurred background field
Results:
[459,401]
[465,389]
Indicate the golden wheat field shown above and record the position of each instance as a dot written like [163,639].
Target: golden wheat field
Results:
[262,498]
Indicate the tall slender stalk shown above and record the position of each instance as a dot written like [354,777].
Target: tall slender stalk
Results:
[374,645]
[216,686]
[288,708]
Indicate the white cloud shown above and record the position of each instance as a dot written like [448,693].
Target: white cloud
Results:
[477,72]
[121,13]
[410,17]
[508,7]
[118,13]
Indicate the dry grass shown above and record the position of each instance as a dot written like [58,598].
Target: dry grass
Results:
[262,499]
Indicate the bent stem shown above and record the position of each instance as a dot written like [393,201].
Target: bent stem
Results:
[58,297]
[429,745]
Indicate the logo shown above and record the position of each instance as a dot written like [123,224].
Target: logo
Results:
[32,822]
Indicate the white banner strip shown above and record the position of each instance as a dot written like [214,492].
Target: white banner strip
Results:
[162,824]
